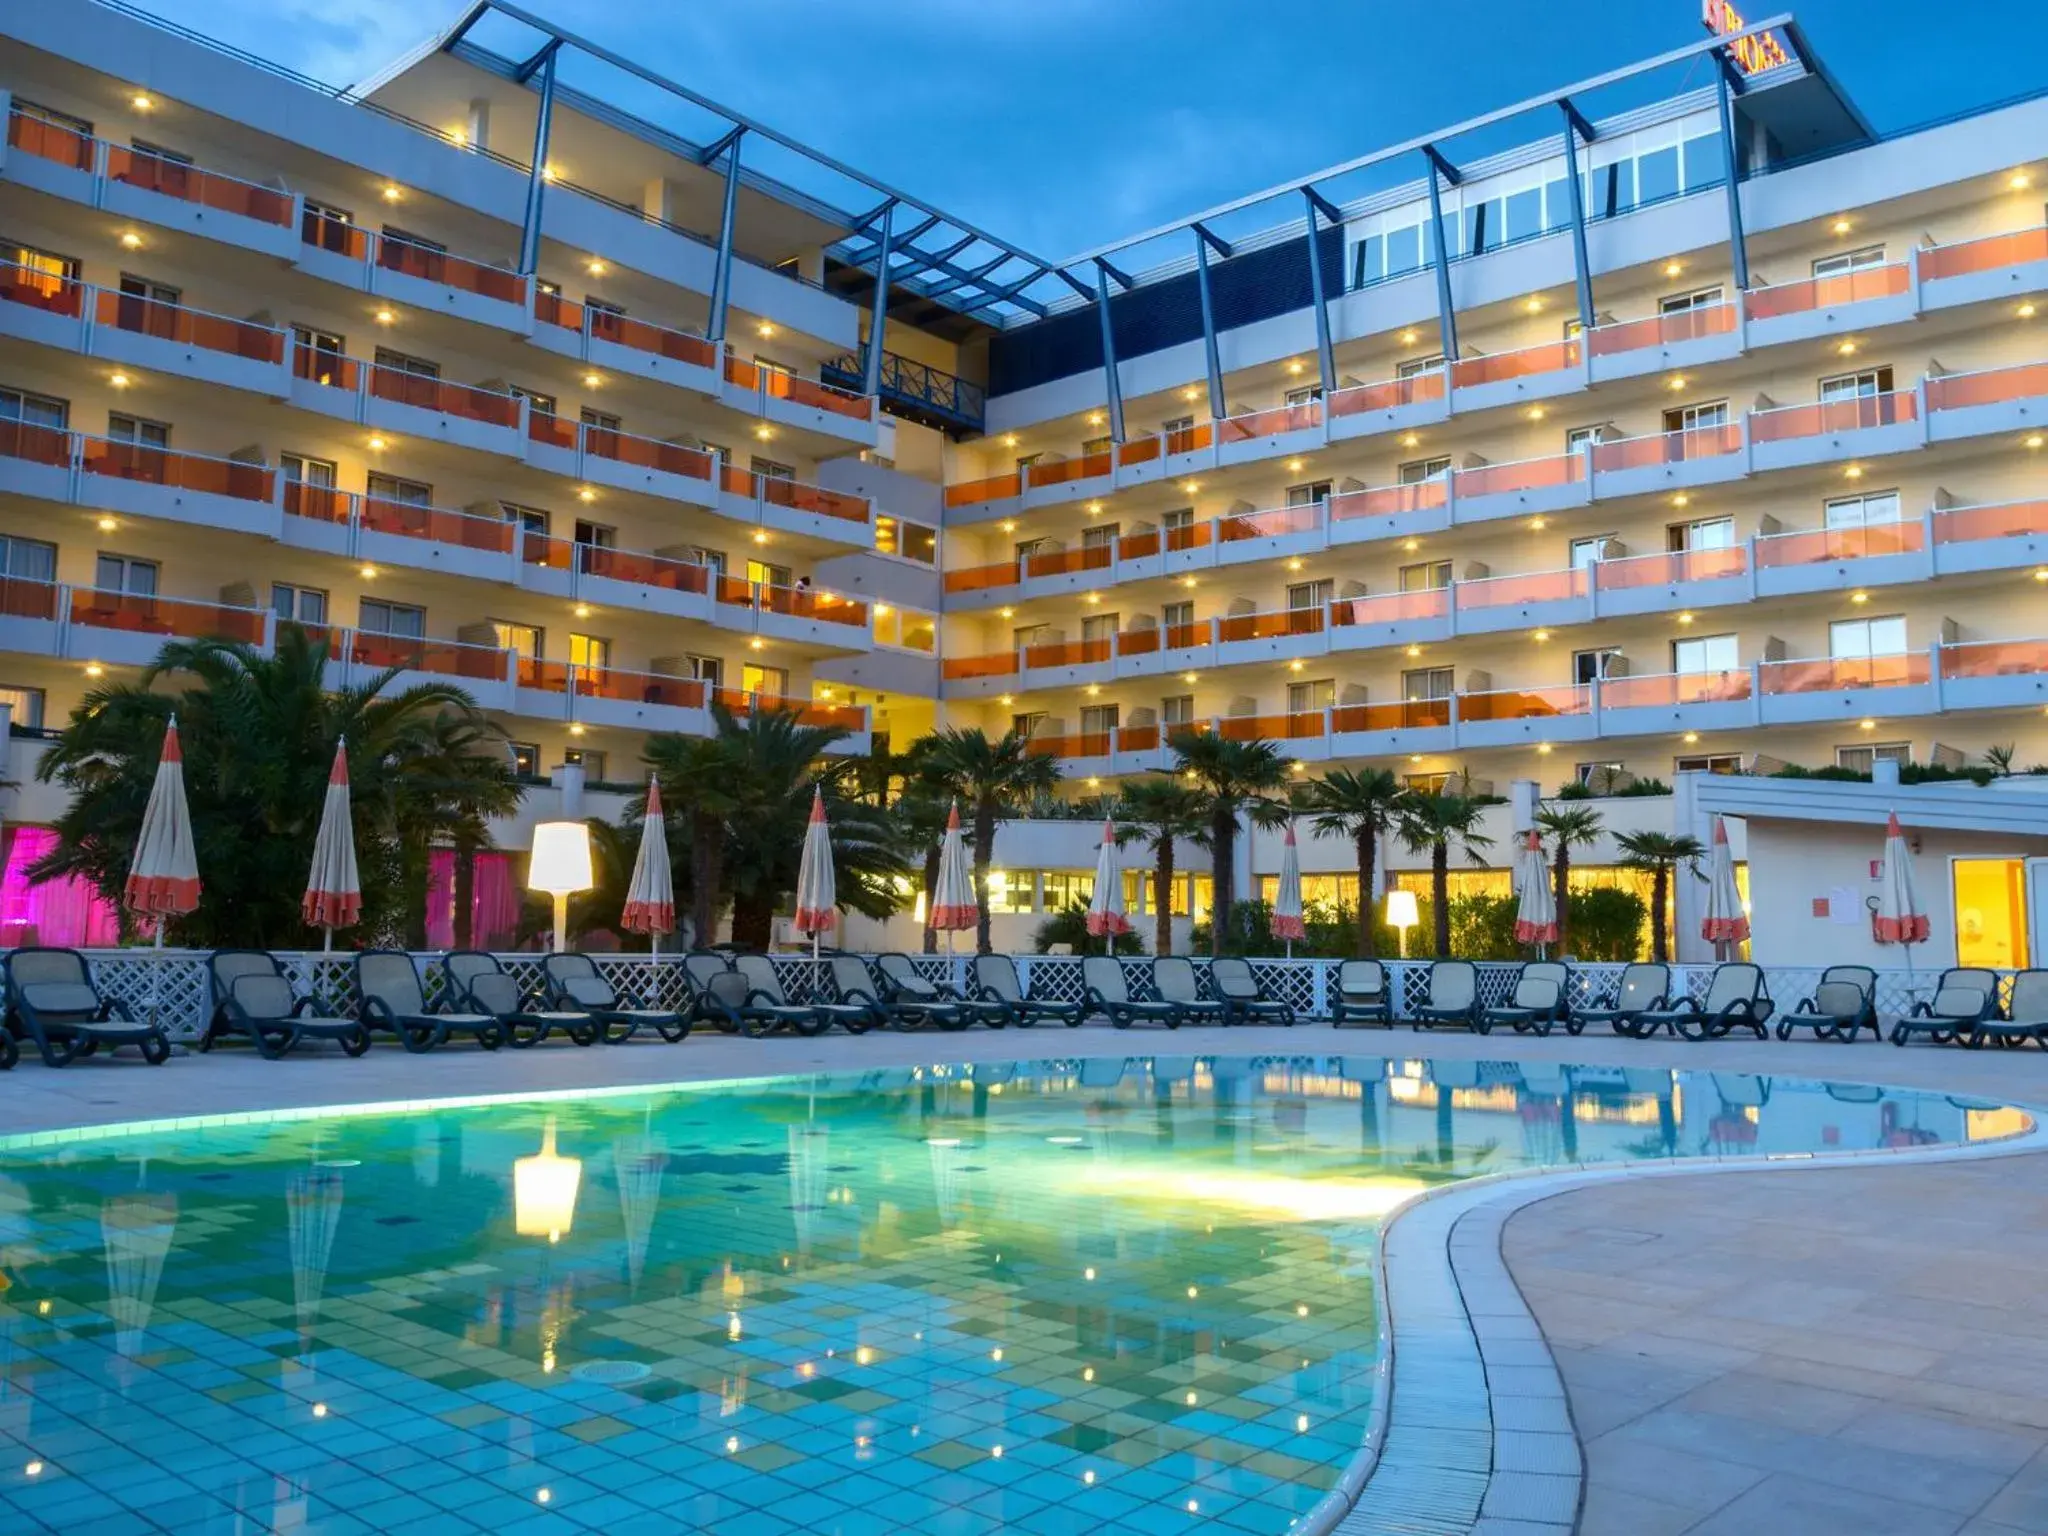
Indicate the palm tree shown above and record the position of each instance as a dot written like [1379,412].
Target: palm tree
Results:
[998,779]
[1360,804]
[1235,778]
[258,734]
[702,775]
[1660,853]
[1435,824]
[1158,811]
[1565,827]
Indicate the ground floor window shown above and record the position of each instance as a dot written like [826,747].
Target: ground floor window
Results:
[1991,912]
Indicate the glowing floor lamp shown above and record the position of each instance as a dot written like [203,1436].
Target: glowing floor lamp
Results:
[544,1191]
[560,866]
[1402,915]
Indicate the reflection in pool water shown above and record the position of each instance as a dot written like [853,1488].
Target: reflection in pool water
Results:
[1059,1296]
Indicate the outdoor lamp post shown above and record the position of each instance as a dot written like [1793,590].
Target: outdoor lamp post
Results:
[1402,915]
[560,865]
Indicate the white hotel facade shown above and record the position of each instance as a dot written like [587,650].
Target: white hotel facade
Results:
[1648,467]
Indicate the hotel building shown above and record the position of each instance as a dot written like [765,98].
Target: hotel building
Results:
[1701,434]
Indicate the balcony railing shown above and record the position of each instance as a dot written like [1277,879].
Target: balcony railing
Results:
[641,570]
[1833,675]
[973,493]
[1534,587]
[1062,562]
[443,658]
[1524,475]
[1270,626]
[1687,445]
[427,393]
[1273,524]
[1995,658]
[21,598]
[141,316]
[190,184]
[432,264]
[1821,546]
[435,525]
[1525,703]
[1629,571]
[1392,500]
[1086,466]
[1299,726]
[1663,330]
[1786,422]
[916,389]
[1408,715]
[1389,394]
[1990,386]
[2009,520]
[1270,423]
[792,602]
[1984,255]
[50,141]
[1827,292]
[1392,607]
[1671,689]
[637,687]
[1527,363]
[180,471]
[646,453]
[170,617]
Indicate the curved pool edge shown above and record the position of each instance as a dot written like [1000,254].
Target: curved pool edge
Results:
[1450,1311]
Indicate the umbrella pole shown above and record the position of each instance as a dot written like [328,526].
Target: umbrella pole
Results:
[327,948]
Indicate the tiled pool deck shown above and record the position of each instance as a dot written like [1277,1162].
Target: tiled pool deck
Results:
[1671,1252]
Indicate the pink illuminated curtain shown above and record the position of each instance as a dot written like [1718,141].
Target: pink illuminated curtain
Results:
[494,910]
[68,912]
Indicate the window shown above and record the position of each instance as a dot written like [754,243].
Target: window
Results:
[1858,758]
[1585,772]
[159,152]
[1098,719]
[1696,418]
[1420,683]
[1308,495]
[589,652]
[147,292]
[1415,471]
[1013,890]
[712,560]
[761,574]
[323,353]
[137,430]
[36,410]
[1177,424]
[1309,594]
[1991,913]
[708,670]
[1100,535]
[326,226]
[1414,367]
[28,560]
[597,536]
[602,421]
[541,404]
[529,640]
[1708,762]
[1860,639]
[1849,261]
[42,114]
[403,362]
[1679,303]
[1697,654]
[119,573]
[1590,551]
[1308,394]
[592,763]
[525,759]
[1867,511]
[1099,626]
[1306,698]
[906,540]
[319,472]
[407,493]
[771,682]
[1581,437]
[1591,666]
[532,520]
[24,707]
[399,620]
[1177,518]
[1703,533]
[38,272]
[768,469]
[298,605]
[1427,576]
[1861,385]
[1178,710]
[1177,615]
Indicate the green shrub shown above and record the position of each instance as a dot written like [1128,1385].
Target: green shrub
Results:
[1070,926]
[1641,788]
[1606,923]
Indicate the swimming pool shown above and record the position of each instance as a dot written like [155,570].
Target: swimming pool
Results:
[1046,1297]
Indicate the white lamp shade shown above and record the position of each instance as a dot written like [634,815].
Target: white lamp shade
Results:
[561,858]
[1401,910]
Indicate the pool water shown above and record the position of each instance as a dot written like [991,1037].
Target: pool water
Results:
[1050,1297]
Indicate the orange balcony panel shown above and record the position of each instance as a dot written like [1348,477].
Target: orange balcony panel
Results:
[330,370]
[1826,292]
[549,554]
[21,599]
[183,471]
[446,658]
[1509,591]
[1986,255]
[1185,637]
[1829,676]
[973,493]
[1064,562]
[642,570]
[1664,330]
[34,444]
[553,309]
[1086,467]
[1270,626]
[545,676]
[742,373]
[825,607]
[49,141]
[431,394]
[1138,642]
[1258,424]
[1664,570]
[1003,664]
[1145,450]
[317,503]
[1995,658]
[1190,439]
[982,578]
[1674,688]
[1828,544]
[1654,448]
[1393,607]
[1528,475]
[1083,744]
[336,235]
[646,453]
[188,183]
[639,687]
[190,327]
[1962,525]
[2024,382]
[799,497]
[657,340]
[449,270]
[1525,704]
[1137,738]
[1137,546]
[1412,715]
[46,291]
[846,717]
[819,396]
[1190,536]
[1526,363]
[166,616]
[1272,727]
[1266,525]
[1066,653]
[551,430]
[1388,395]
[1390,500]
[1832,416]
[437,525]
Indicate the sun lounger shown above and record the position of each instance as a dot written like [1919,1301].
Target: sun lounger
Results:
[1843,1005]
[1537,1002]
[1109,993]
[919,999]
[253,996]
[1453,997]
[477,983]
[1645,986]
[1361,992]
[1245,1001]
[995,981]
[390,996]
[1965,997]
[1173,977]
[2026,1019]
[573,981]
[1737,998]
[52,999]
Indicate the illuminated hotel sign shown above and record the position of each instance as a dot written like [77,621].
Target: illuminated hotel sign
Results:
[1753,55]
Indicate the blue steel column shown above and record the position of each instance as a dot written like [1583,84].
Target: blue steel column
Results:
[536,177]
[872,384]
[1583,268]
[721,273]
[1326,357]
[1209,352]
[1116,392]
[1738,248]
[1447,321]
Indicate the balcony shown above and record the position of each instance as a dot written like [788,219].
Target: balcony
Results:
[1534,601]
[626,461]
[1393,405]
[1675,702]
[415,273]
[1413,725]
[916,391]
[1993,674]
[1049,482]
[1990,538]
[1165,455]
[1392,511]
[1281,635]
[1686,338]
[1511,378]
[1825,306]
[1390,618]
[1519,489]
[404,534]
[53,465]
[1262,434]
[1834,559]
[1657,462]
[1253,536]
[623,345]
[1831,430]
[791,613]
[461,415]
[41,618]
[793,506]
[1842,689]
[1995,267]
[1509,717]
[1697,578]
[780,396]
[1994,400]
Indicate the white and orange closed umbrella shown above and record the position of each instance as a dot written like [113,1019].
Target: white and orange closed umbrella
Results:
[817,889]
[651,894]
[334,890]
[1287,921]
[954,908]
[1899,919]
[1725,923]
[1536,908]
[163,878]
[1106,917]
